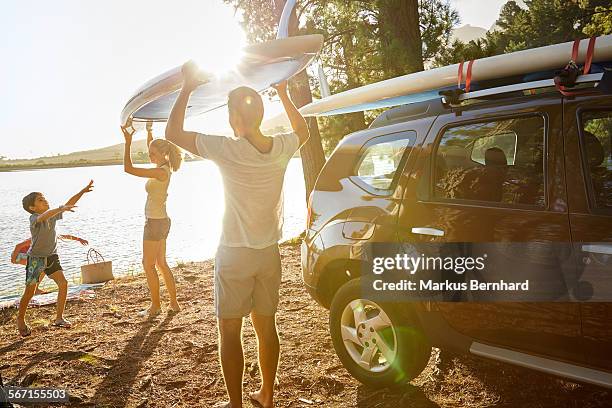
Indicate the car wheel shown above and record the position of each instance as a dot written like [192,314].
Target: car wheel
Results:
[377,343]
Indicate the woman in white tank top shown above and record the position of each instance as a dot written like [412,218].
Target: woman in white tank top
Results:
[167,158]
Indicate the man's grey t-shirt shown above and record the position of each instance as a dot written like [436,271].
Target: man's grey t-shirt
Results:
[253,185]
[44,237]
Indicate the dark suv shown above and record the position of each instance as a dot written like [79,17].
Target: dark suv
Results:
[516,167]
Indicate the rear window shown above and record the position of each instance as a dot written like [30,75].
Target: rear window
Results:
[596,142]
[498,161]
[380,160]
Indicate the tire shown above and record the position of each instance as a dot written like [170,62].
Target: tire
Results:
[405,350]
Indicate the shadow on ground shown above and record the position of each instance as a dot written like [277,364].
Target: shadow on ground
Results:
[407,396]
[119,380]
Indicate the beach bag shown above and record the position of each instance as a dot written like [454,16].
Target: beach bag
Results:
[97,269]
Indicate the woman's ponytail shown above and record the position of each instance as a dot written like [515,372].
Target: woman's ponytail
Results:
[175,156]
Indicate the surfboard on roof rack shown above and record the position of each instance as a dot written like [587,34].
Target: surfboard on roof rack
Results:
[527,69]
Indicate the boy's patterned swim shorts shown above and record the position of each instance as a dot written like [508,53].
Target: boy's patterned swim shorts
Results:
[39,264]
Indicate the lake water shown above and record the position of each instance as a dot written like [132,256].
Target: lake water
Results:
[111,218]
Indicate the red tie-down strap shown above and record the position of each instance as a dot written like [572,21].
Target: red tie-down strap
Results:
[468,76]
[575,49]
[589,56]
[568,75]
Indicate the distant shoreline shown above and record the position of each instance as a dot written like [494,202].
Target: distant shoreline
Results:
[105,156]
[19,167]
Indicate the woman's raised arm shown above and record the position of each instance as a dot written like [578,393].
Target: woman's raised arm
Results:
[157,173]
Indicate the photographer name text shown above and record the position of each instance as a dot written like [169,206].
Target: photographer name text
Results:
[431,285]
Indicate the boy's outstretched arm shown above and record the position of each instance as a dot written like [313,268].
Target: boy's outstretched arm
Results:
[69,206]
[53,212]
[75,198]
[175,131]
[298,123]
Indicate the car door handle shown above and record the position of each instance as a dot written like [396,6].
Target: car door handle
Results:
[600,248]
[427,231]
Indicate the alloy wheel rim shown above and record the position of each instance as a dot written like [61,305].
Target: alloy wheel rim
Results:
[368,335]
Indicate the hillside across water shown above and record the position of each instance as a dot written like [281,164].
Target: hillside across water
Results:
[97,157]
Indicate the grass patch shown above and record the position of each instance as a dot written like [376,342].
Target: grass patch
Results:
[295,240]
[131,271]
[91,360]
[41,322]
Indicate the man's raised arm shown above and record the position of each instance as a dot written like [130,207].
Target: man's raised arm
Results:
[175,131]
[298,123]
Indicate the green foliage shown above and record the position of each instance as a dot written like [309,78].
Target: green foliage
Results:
[599,124]
[369,41]
[601,22]
[142,156]
[543,22]
[365,42]
[437,20]
[259,18]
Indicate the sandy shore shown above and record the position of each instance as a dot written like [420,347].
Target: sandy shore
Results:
[111,358]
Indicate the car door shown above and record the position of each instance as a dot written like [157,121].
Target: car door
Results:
[588,137]
[374,193]
[490,175]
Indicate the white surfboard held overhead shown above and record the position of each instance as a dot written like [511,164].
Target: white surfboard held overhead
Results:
[261,65]
[499,66]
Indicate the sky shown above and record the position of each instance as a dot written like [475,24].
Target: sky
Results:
[479,13]
[69,66]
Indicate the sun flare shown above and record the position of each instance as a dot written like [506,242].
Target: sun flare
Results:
[220,64]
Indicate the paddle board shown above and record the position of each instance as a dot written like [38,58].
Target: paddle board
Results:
[424,85]
[285,19]
[261,65]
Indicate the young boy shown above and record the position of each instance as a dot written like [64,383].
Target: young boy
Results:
[42,256]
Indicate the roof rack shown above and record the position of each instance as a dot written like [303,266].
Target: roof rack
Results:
[410,111]
[545,83]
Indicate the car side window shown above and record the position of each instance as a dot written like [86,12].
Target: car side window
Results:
[381,159]
[596,142]
[496,162]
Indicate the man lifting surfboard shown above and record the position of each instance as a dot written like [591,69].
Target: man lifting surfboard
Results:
[247,263]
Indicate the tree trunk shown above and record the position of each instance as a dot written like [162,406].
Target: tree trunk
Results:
[313,157]
[399,24]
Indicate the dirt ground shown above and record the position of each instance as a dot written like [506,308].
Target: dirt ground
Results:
[112,358]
